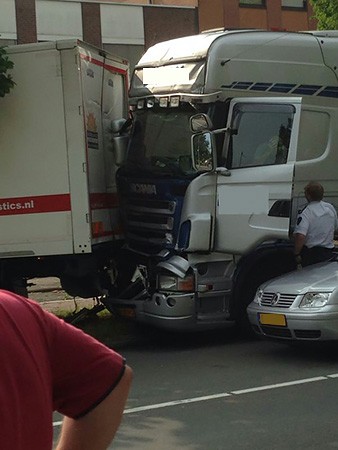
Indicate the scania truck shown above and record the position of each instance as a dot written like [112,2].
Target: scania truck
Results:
[59,144]
[228,127]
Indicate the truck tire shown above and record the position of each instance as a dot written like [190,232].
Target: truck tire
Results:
[84,286]
[17,285]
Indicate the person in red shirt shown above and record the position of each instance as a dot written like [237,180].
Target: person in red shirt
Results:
[48,365]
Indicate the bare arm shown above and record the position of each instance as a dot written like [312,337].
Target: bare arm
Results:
[97,429]
[299,241]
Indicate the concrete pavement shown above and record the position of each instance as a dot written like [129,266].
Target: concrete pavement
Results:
[49,293]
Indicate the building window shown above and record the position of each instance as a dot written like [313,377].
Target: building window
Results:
[298,4]
[251,2]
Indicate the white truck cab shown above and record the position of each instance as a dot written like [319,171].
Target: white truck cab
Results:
[229,126]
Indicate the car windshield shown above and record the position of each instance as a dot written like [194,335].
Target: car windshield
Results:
[161,142]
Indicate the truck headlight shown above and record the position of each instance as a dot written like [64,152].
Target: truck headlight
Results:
[315,299]
[173,283]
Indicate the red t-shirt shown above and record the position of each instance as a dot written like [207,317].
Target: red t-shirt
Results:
[47,365]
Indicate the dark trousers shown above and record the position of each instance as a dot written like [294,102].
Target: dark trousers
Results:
[315,255]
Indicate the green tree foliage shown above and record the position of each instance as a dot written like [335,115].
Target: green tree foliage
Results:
[326,13]
[6,82]
[203,155]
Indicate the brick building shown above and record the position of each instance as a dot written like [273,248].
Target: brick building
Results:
[125,28]
[128,27]
[290,15]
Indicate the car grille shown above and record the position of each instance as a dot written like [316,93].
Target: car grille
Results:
[277,300]
[276,332]
[307,334]
[281,332]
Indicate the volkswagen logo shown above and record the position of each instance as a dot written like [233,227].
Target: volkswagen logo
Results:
[275,298]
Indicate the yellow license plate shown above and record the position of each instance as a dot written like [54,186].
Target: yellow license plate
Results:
[128,313]
[278,320]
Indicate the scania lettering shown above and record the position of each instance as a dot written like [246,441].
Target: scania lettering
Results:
[228,126]
[143,188]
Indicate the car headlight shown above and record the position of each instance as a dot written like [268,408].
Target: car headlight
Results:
[174,283]
[258,296]
[315,299]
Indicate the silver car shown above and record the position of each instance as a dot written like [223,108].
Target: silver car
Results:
[301,305]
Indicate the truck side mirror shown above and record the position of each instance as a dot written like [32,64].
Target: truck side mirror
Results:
[120,140]
[120,146]
[200,122]
[117,125]
[203,152]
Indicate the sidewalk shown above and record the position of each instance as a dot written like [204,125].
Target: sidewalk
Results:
[49,293]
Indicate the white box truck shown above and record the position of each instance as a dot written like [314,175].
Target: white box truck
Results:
[59,145]
[209,219]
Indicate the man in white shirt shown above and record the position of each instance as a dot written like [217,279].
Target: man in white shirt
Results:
[316,224]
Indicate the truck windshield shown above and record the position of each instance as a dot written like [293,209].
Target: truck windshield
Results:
[160,142]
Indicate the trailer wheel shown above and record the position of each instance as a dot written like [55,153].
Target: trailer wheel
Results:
[84,286]
[18,285]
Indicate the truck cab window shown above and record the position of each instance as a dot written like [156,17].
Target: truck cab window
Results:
[313,135]
[261,135]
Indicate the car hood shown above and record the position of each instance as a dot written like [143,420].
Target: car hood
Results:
[318,277]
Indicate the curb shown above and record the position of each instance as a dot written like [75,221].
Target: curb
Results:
[67,305]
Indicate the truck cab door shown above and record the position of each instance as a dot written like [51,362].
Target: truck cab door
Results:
[254,194]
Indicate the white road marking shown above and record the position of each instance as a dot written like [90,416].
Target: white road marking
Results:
[222,395]
[176,402]
[278,385]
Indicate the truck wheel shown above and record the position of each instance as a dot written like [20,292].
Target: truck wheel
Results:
[17,285]
[84,287]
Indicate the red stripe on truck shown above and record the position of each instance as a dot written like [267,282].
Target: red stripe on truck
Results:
[34,204]
[109,67]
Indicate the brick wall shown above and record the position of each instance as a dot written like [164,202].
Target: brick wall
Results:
[161,24]
[25,21]
[274,14]
[228,14]
[231,14]
[91,23]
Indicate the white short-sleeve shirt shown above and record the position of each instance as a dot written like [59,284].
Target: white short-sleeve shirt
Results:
[317,222]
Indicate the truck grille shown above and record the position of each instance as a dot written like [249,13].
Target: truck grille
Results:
[151,222]
[277,300]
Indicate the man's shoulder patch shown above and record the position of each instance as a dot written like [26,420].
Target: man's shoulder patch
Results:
[299,220]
